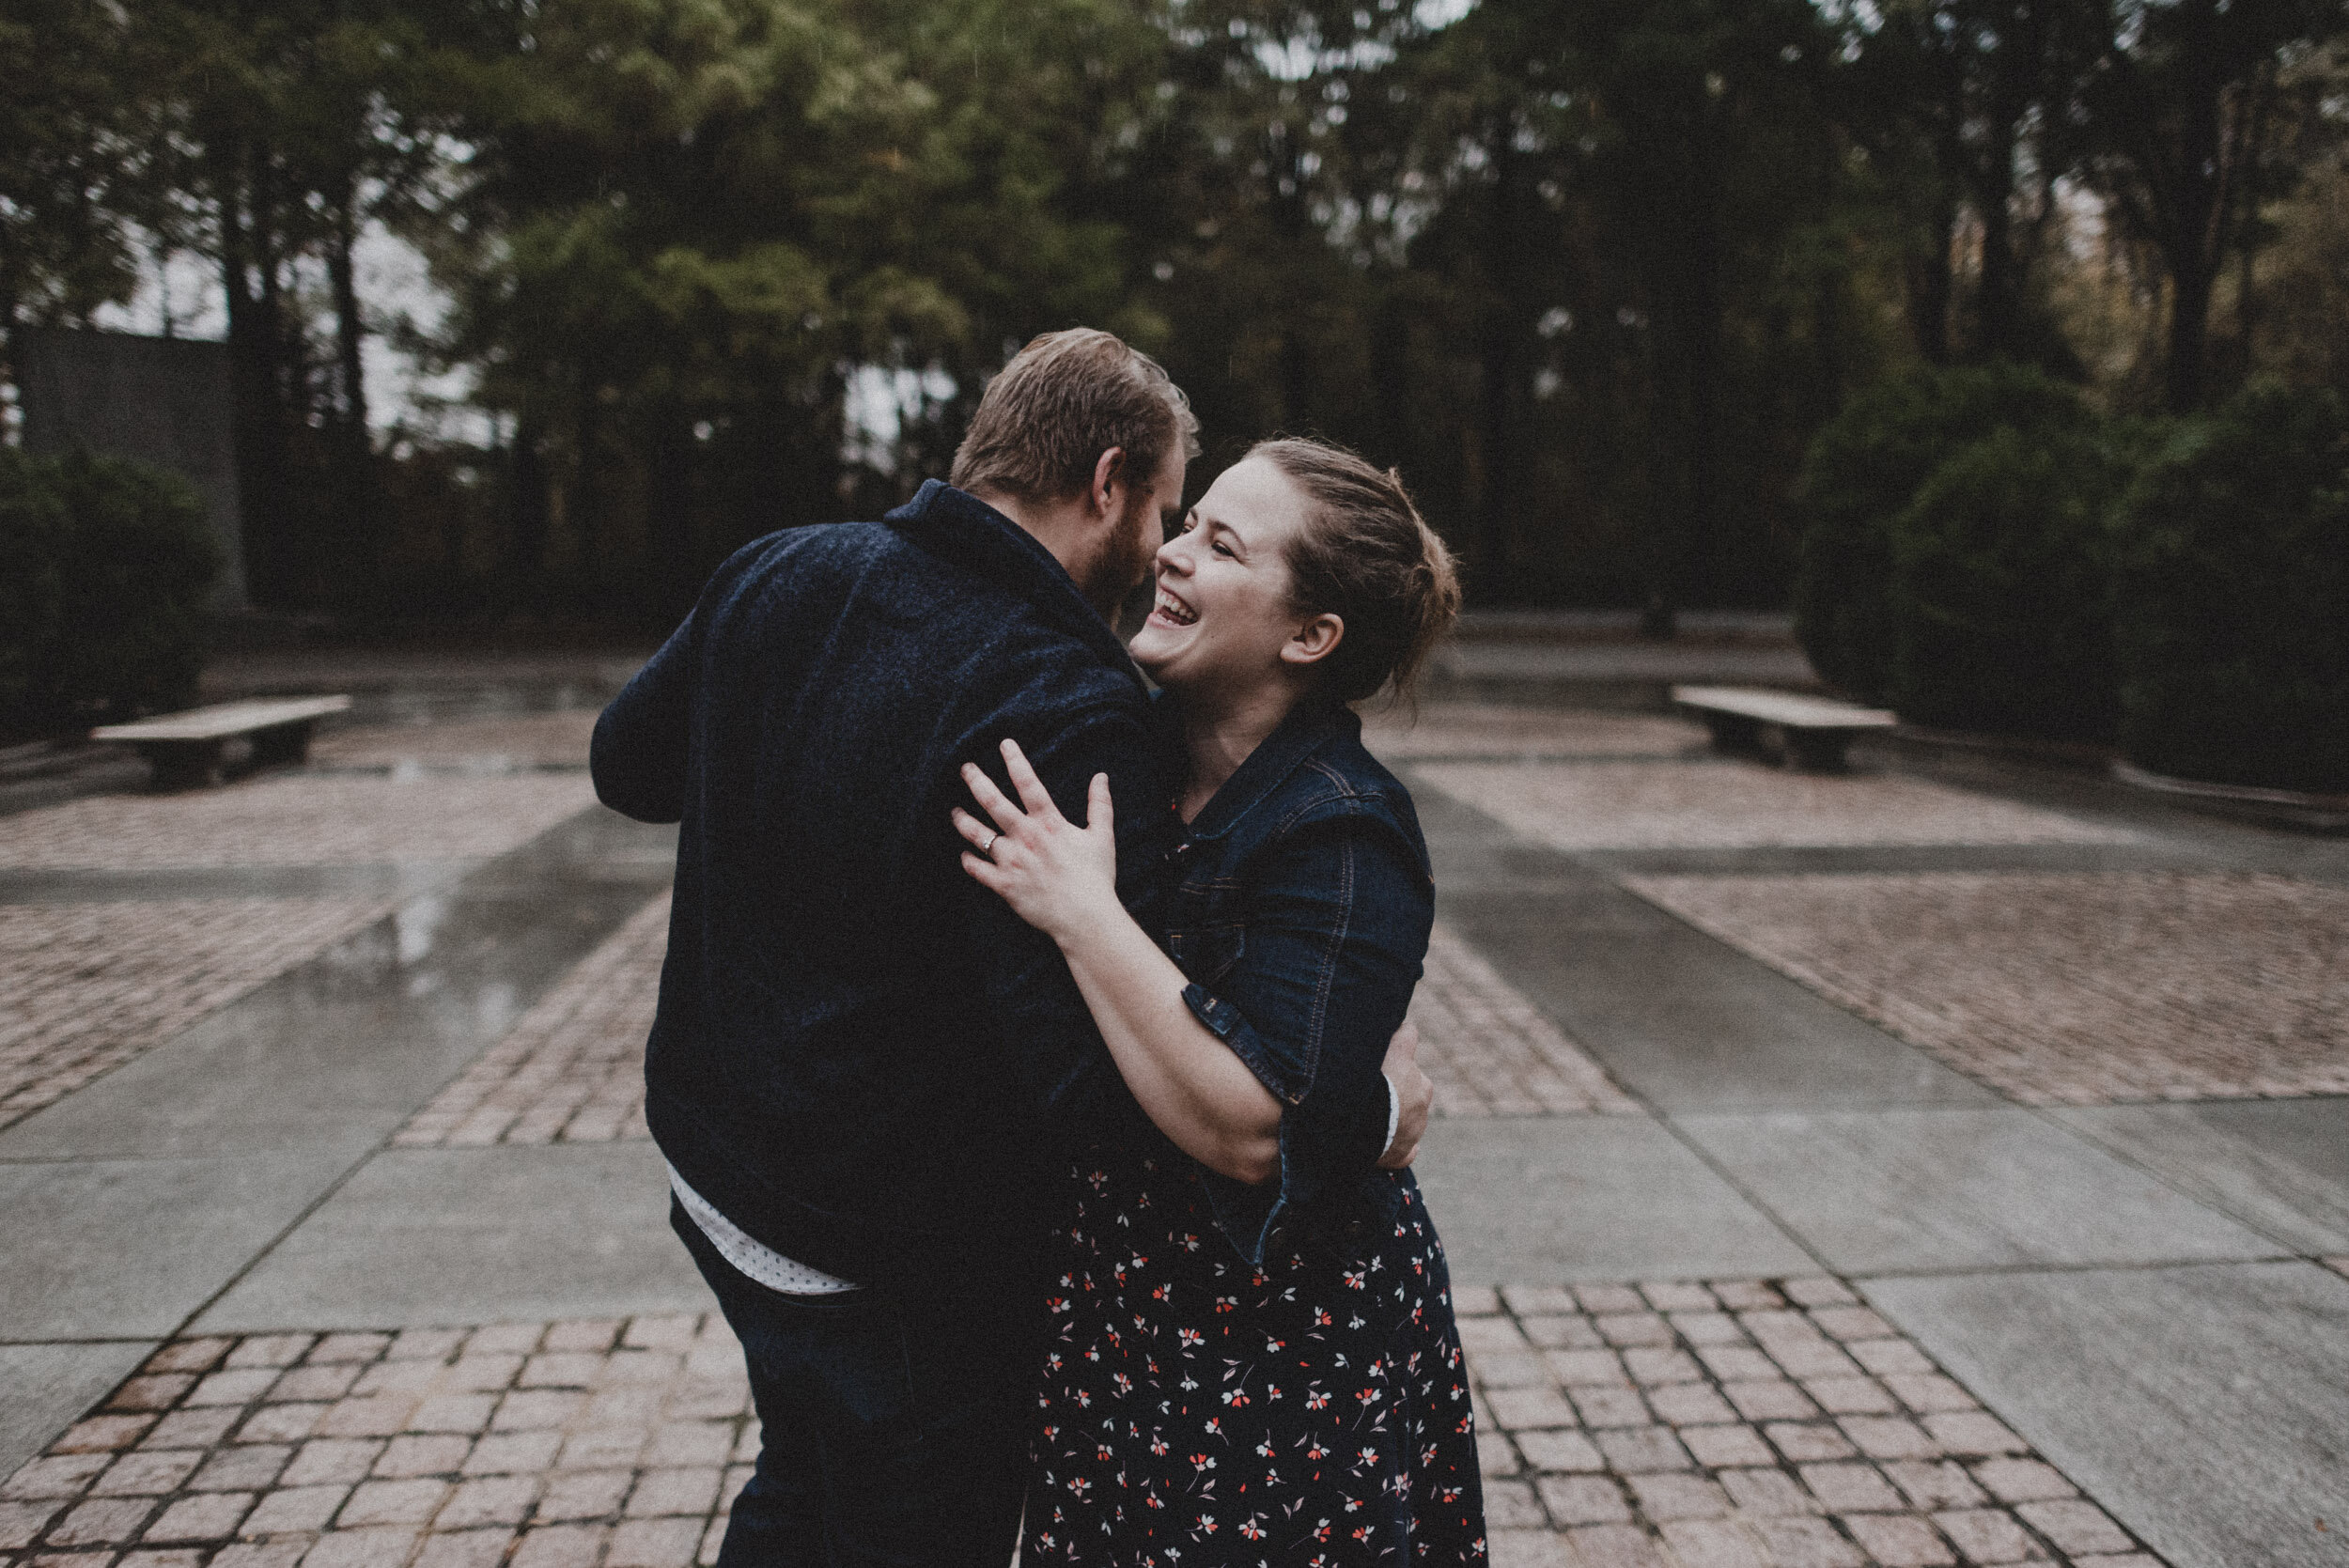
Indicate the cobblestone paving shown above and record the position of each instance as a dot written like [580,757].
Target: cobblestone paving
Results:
[1747,1425]
[1738,805]
[1488,730]
[522,740]
[2066,989]
[1490,1052]
[572,1070]
[290,819]
[89,987]
[1657,1426]
[563,1444]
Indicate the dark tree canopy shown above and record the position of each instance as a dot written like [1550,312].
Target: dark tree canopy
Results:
[1592,274]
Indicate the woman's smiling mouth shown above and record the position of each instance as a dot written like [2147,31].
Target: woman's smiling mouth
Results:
[1173,609]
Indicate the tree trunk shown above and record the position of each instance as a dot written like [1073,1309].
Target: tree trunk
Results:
[1930,282]
[342,276]
[355,453]
[526,540]
[1499,352]
[2187,380]
[257,423]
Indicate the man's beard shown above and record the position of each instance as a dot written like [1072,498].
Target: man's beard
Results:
[1124,564]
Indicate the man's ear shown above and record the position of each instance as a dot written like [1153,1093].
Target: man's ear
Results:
[1109,475]
[1315,640]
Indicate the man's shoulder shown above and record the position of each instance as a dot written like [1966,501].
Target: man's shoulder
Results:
[1000,647]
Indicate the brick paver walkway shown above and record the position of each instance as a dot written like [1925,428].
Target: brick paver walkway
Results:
[2066,990]
[572,1070]
[523,740]
[1490,1052]
[1739,1424]
[294,820]
[1745,1424]
[563,1444]
[1738,805]
[1482,730]
[89,987]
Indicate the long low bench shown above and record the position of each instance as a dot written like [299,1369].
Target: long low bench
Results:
[185,747]
[1811,732]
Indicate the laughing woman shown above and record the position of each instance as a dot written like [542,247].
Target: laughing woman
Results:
[1253,1355]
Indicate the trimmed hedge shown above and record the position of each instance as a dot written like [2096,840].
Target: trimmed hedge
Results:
[2231,576]
[1999,606]
[105,569]
[1863,470]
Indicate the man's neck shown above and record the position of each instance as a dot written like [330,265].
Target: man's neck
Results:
[1069,534]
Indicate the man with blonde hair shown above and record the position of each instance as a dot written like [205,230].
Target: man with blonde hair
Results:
[864,1065]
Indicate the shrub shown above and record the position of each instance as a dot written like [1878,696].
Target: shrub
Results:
[2231,556]
[119,561]
[33,528]
[1864,468]
[1999,611]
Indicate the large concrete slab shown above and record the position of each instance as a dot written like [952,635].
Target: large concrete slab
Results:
[1563,1197]
[1898,1190]
[350,1043]
[1689,1023]
[45,1388]
[439,1236]
[2207,1408]
[1834,859]
[2282,1166]
[127,1248]
[383,879]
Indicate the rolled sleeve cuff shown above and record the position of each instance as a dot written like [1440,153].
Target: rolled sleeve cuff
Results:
[1228,1024]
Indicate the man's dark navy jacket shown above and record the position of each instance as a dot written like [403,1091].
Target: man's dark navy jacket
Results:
[862,1057]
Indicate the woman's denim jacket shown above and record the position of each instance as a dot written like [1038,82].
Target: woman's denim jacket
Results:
[1298,905]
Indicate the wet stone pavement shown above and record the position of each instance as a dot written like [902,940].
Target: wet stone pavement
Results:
[1932,1165]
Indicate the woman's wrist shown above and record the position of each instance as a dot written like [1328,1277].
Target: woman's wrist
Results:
[1081,929]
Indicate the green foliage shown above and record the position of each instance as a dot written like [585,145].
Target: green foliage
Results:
[1590,273]
[2232,557]
[1998,607]
[1863,470]
[106,564]
[33,532]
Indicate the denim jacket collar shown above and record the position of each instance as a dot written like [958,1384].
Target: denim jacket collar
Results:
[957,526]
[1308,725]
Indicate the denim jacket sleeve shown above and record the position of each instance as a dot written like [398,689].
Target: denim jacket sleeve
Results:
[638,755]
[1336,933]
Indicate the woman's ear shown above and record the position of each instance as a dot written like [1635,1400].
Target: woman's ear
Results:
[1315,640]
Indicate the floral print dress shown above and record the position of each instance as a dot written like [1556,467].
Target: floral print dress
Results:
[1195,1412]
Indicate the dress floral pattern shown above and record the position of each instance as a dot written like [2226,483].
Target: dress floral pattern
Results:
[1196,1413]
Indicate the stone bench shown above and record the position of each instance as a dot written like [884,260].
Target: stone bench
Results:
[1811,732]
[185,747]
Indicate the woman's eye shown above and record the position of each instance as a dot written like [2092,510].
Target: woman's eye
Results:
[1224,549]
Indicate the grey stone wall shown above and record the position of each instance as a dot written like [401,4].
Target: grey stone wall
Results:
[164,401]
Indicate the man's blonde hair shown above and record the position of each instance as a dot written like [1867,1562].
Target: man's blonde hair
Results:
[1064,400]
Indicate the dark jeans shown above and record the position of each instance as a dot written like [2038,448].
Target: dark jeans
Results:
[893,1418]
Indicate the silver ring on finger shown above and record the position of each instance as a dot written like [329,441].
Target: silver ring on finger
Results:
[988,847]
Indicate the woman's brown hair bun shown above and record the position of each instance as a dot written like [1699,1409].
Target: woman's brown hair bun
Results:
[1369,558]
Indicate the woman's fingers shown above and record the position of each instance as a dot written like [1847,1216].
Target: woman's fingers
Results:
[1098,813]
[991,800]
[1031,791]
[979,834]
